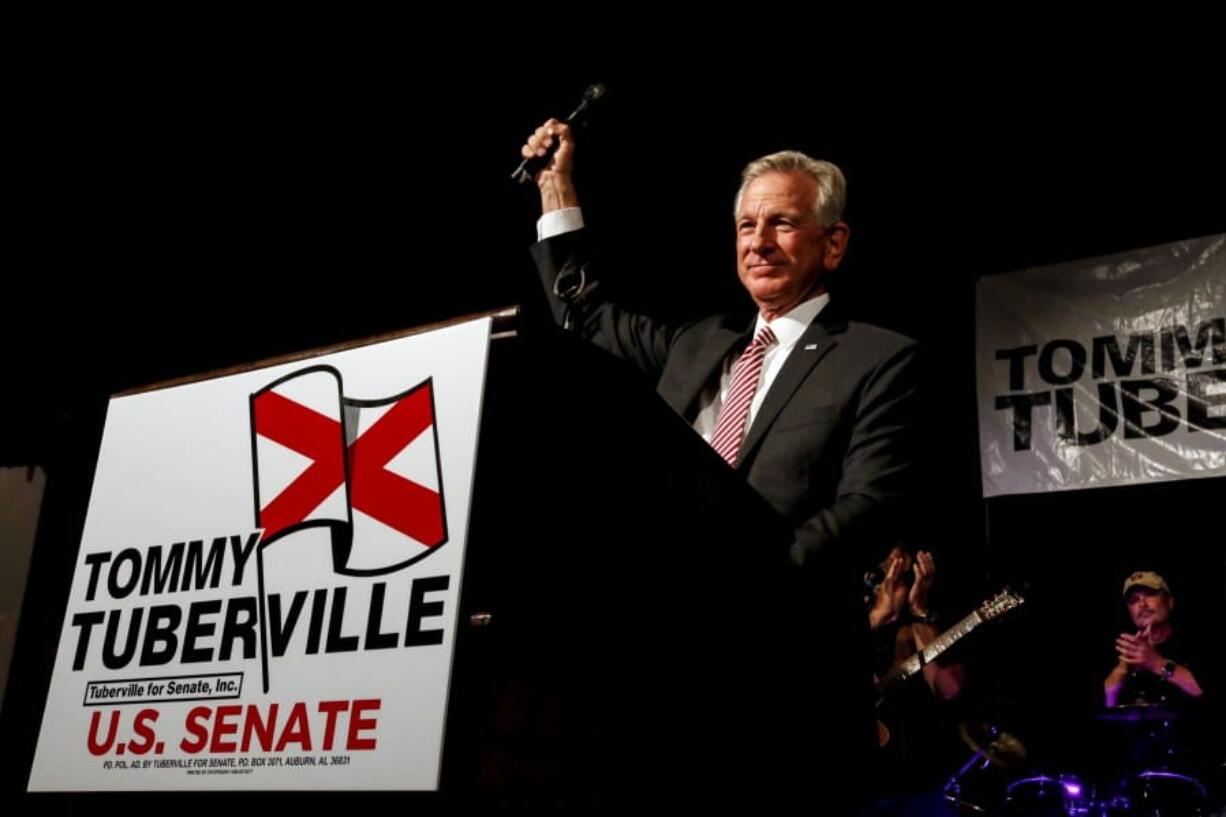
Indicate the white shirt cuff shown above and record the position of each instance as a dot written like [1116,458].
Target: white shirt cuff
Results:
[556,222]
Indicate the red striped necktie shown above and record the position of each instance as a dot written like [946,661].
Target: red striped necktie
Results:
[730,427]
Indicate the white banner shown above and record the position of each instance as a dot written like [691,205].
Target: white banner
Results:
[266,593]
[1107,371]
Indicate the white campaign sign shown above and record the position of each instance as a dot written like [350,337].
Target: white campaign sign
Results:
[1107,371]
[267,587]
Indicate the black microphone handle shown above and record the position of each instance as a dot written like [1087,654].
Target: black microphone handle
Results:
[535,164]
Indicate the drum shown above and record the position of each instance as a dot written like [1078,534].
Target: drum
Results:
[1165,793]
[1045,796]
[1064,796]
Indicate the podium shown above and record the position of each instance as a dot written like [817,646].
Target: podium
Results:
[667,651]
[631,634]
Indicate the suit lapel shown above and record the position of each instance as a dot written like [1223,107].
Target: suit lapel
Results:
[818,339]
[708,362]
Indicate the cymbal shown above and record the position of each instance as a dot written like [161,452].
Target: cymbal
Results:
[1138,713]
[1001,748]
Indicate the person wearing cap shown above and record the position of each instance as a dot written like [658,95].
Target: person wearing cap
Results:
[1152,667]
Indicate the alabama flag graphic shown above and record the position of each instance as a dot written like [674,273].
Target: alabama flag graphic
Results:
[367,470]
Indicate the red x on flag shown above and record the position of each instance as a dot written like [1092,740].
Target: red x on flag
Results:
[369,467]
[409,507]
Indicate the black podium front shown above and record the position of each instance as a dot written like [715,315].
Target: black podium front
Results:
[649,643]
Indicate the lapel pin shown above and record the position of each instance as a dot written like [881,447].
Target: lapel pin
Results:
[809,347]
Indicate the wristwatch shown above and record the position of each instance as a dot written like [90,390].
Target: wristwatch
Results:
[1168,670]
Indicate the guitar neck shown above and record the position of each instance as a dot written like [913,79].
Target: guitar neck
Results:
[937,646]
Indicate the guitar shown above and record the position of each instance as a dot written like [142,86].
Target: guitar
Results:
[993,608]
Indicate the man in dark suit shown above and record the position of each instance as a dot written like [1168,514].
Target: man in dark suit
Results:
[815,412]
[826,437]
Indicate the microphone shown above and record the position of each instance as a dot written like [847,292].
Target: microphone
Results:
[531,166]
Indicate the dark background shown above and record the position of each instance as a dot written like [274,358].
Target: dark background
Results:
[177,216]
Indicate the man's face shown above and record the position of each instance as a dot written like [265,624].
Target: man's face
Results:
[782,251]
[1148,607]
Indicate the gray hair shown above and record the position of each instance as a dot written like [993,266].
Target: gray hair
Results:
[831,183]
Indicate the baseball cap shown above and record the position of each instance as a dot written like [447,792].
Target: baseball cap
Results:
[1146,578]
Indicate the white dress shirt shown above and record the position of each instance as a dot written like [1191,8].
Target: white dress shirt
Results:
[788,328]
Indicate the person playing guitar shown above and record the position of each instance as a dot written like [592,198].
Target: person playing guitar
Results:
[900,608]
[920,741]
